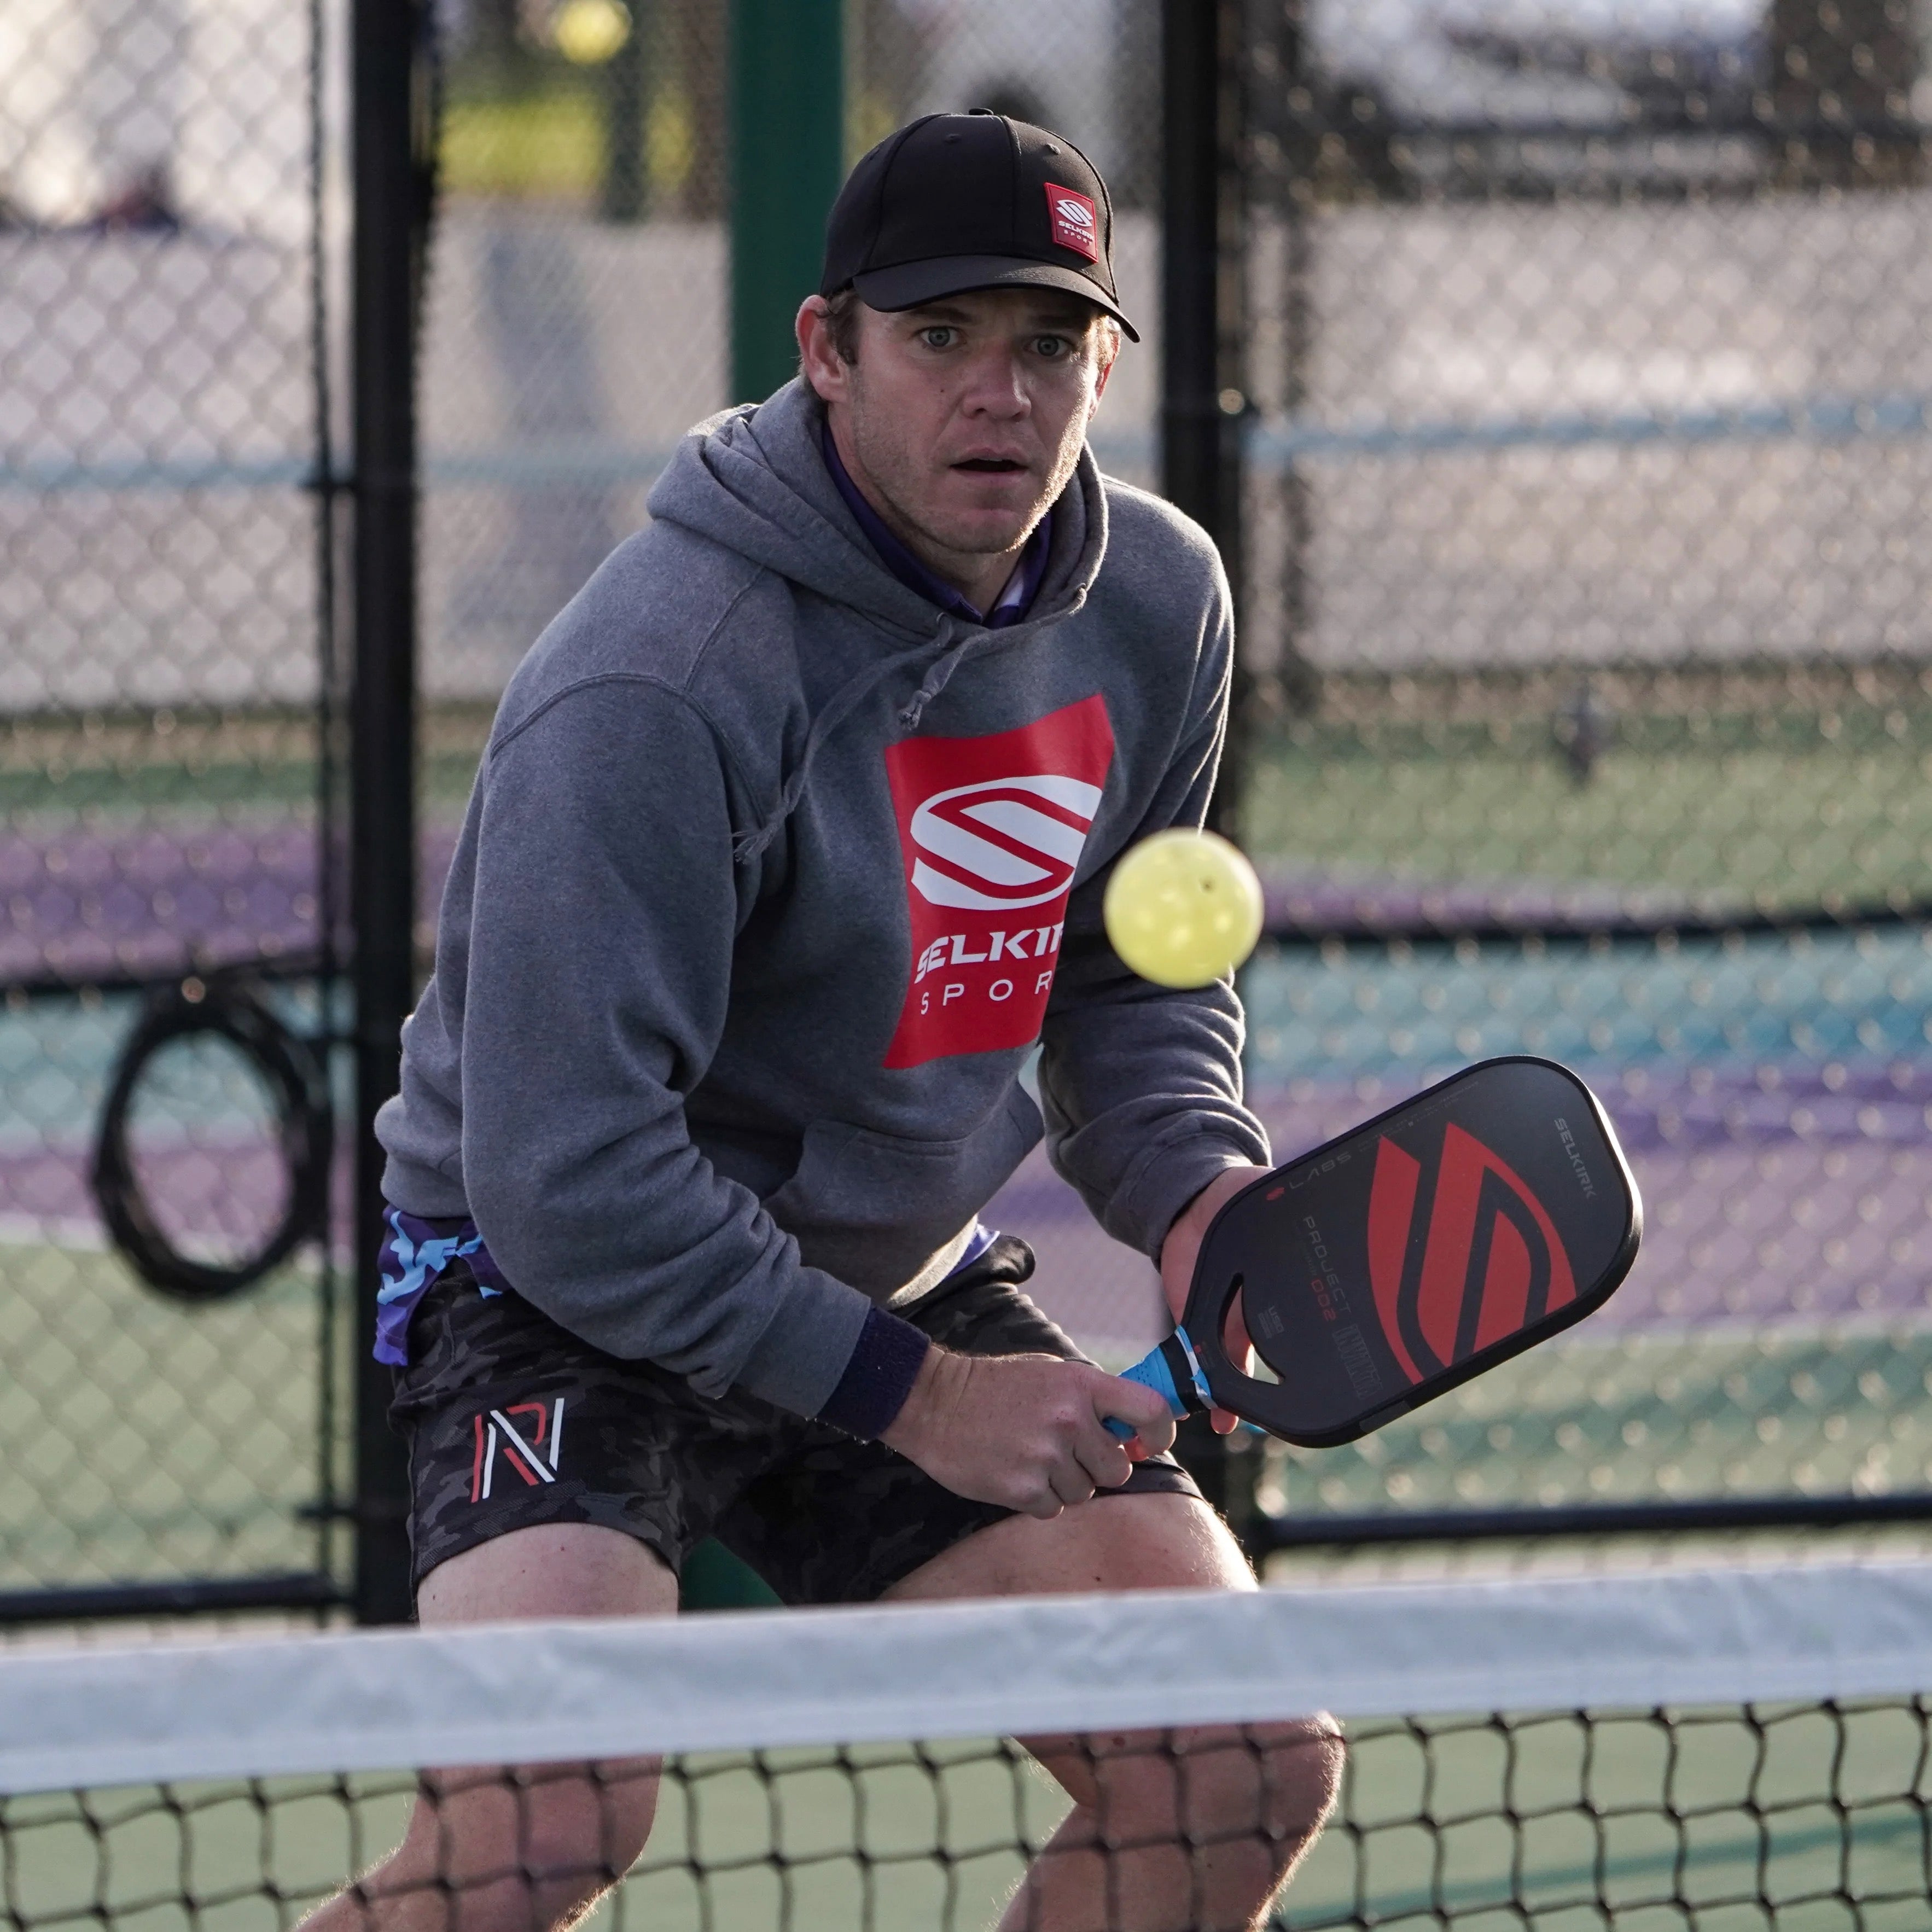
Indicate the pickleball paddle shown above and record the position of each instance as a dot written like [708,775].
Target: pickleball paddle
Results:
[1437,1240]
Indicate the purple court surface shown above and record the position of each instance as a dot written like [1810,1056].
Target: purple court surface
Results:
[160,896]
[1792,1194]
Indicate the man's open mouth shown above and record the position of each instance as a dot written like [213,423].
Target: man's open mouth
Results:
[995,465]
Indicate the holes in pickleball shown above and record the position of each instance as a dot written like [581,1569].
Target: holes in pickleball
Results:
[204,1150]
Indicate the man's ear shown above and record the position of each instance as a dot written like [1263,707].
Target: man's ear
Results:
[1109,354]
[818,358]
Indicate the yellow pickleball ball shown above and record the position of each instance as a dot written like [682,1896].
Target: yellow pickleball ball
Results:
[588,32]
[1184,908]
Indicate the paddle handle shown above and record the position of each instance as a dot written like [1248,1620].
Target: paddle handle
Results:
[1155,1370]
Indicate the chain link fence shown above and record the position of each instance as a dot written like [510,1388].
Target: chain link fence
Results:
[1586,390]
[1592,623]
[164,464]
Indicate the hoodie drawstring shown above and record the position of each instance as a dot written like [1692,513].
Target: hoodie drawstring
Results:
[936,681]
[747,845]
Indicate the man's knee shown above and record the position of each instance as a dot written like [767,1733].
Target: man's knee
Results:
[1275,1782]
[584,1821]
[537,1840]
[1150,1541]
[1166,1541]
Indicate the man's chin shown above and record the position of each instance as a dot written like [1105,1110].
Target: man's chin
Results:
[985,533]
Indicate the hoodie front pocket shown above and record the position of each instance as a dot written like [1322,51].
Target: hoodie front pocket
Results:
[873,1208]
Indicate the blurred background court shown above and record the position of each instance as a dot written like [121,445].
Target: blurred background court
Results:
[1554,374]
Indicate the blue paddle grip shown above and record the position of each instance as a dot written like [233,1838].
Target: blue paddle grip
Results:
[1151,1371]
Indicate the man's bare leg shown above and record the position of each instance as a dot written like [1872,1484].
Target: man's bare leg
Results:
[522,1849]
[1194,1830]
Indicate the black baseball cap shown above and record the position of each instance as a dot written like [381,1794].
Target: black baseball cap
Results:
[956,202]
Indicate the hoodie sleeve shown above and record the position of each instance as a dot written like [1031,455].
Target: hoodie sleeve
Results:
[1140,1085]
[604,908]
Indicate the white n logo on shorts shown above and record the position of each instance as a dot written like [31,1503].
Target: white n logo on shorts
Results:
[534,1457]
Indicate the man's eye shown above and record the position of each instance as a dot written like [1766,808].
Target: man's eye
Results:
[938,336]
[1052,347]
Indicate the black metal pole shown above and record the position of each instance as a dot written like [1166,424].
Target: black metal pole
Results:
[1203,397]
[389,139]
[1297,682]
[1202,406]
[1190,414]
[188,1596]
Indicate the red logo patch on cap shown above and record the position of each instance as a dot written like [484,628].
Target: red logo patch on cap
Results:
[1075,219]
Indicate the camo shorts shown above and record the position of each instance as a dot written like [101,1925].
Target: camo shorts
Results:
[512,1421]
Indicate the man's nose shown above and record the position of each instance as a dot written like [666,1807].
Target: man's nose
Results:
[995,386]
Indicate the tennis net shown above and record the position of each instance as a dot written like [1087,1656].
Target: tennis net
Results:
[1711,1749]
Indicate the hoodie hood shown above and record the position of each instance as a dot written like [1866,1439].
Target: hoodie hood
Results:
[752,480]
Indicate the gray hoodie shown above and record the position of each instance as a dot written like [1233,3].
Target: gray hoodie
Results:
[772,875]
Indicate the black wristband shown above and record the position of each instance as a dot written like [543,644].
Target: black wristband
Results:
[884,1365]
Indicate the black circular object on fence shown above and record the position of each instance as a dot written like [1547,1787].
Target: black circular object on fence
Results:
[286,1065]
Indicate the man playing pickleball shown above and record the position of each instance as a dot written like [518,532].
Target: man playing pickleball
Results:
[788,845]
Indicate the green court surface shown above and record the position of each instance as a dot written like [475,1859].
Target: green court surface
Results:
[203,762]
[936,1830]
[1740,824]
[1641,1417]
[1709,1818]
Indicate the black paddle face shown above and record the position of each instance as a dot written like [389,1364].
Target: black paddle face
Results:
[1435,1242]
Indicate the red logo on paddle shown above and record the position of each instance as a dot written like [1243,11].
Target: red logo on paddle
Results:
[1076,220]
[1490,1263]
[990,830]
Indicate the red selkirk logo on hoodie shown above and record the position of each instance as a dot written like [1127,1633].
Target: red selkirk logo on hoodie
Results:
[991,829]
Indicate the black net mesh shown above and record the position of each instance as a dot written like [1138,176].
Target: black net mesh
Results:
[1771,1816]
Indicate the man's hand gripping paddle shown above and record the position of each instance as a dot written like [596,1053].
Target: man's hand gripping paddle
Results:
[1444,1237]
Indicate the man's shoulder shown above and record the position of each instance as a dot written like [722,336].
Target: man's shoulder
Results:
[660,611]
[1156,553]
[658,604]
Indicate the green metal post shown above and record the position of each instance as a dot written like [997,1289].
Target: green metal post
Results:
[788,123]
